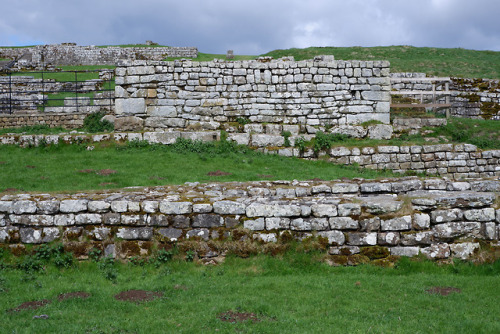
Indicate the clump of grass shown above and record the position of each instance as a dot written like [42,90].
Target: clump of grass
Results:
[94,123]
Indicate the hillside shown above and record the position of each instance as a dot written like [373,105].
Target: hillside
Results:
[433,61]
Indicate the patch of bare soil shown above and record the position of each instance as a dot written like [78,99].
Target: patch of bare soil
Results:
[156,178]
[86,171]
[138,296]
[107,184]
[30,166]
[237,316]
[11,190]
[265,176]
[33,305]
[443,290]
[3,162]
[72,295]
[106,172]
[218,173]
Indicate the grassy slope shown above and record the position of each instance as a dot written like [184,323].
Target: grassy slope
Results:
[295,294]
[433,61]
[56,168]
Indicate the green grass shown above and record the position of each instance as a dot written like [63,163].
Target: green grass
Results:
[35,129]
[84,73]
[292,294]
[56,167]
[433,61]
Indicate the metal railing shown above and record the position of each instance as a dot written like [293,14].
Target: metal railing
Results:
[56,91]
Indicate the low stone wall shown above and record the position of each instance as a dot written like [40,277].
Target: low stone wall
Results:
[70,54]
[436,217]
[470,98]
[218,94]
[68,121]
[454,160]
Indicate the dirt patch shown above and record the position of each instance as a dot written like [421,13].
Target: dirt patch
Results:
[265,176]
[3,162]
[443,290]
[180,287]
[72,295]
[218,173]
[107,184]
[138,296]
[316,179]
[238,316]
[33,305]
[156,178]
[11,190]
[30,166]
[86,171]
[106,172]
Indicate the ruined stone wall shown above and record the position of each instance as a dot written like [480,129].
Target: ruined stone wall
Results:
[470,98]
[219,94]
[452,160]
[436,217]
[68,54]
[67,121]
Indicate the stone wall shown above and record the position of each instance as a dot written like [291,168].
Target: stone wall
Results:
[70,54]
[219,94]
[453,160]
[470,98]
[68,121]
[436,217]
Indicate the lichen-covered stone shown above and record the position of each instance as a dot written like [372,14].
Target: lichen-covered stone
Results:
[172,234]
[73,206]
[334,237]
[437,251]
[135,233]
[229,208]
[207,220]
[463,250]
[176,208]
[343,223]
[362,238]
[396,224]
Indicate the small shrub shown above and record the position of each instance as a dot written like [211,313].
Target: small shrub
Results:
[190,256]
[107,266]
[64,260]
[94,123]
[287,135]
[163,256]
[95,254]
[300,143]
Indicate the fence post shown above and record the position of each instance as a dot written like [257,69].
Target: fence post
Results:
[10,93]
[76,90]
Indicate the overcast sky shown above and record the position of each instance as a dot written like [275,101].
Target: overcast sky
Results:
[256,26]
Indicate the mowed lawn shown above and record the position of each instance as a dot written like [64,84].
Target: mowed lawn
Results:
[65,167]
[293,294]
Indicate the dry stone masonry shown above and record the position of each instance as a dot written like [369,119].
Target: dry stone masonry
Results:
[436,217]
[72,54]
[218,94]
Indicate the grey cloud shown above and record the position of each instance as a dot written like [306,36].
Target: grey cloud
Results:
[258,26]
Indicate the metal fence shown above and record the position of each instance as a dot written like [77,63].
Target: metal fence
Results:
[56,91]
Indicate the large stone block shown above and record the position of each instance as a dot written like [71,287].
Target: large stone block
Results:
[130,106]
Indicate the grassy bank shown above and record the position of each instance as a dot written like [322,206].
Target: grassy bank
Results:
[65,167]
[433,61]
[292,294]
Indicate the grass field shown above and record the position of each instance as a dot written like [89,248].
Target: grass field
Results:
[433,61]
[73,167]
[294,293]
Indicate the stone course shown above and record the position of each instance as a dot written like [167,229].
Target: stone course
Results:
[229,95]
[72,54]
[406,217]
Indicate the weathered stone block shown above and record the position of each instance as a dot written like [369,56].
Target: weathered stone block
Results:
[336,238]
[362,238]
[172,234]
[343,223]
[135,233]
[437,251]
[73,206]
[176,208]
[396,224]
[207,220]
[229,208]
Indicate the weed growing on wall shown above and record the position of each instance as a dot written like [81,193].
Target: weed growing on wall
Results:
[94,123]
